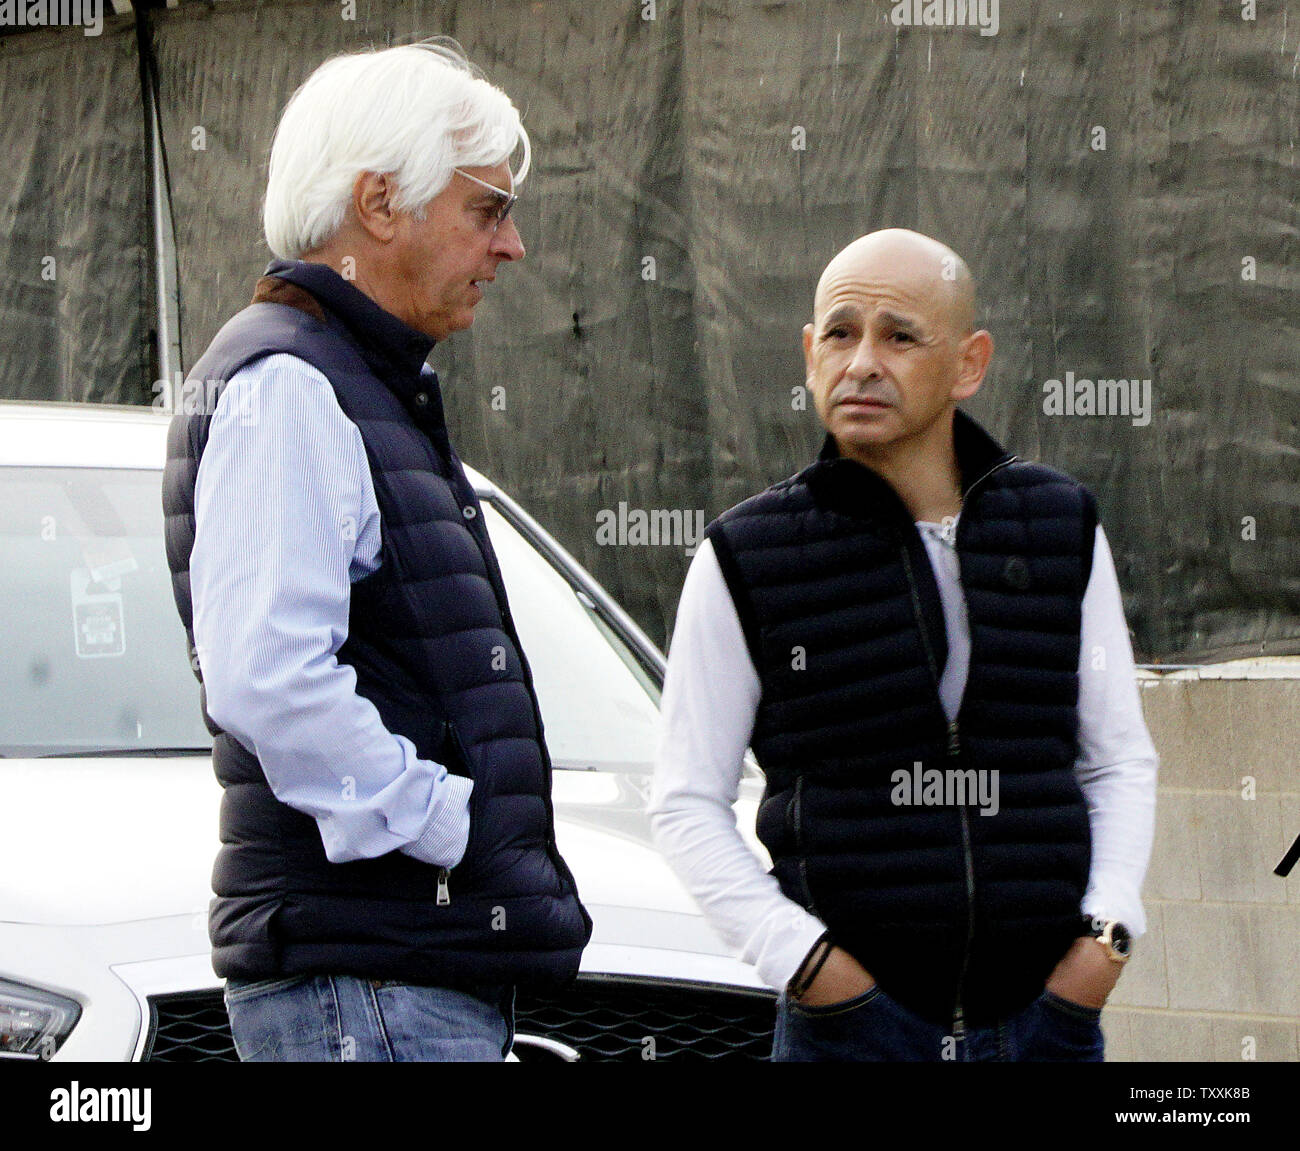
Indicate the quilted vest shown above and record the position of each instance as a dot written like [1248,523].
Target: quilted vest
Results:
[434,648]
[871,813]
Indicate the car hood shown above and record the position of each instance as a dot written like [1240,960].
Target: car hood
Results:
[114,840]
[106,840]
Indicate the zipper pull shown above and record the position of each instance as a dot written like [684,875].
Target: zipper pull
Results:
[954,744]
[444,893]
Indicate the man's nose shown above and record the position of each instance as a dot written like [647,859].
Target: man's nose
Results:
[865,365]
[507,242]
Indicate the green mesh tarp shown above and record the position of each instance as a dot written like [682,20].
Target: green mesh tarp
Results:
[76,294]
[1121,178]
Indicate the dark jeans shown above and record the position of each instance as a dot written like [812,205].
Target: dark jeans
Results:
[872,1028]
[341,1019]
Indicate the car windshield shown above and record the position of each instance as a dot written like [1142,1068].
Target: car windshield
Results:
[94,657]
[598,706]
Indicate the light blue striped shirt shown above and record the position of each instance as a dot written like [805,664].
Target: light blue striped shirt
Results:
[286,521]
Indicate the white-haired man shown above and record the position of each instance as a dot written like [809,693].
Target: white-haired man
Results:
[388,871]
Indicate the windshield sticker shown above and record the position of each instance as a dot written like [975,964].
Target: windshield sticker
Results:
[96,618]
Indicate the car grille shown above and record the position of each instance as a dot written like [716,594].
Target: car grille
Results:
[189,1028]
[603,1019]
[616,1019]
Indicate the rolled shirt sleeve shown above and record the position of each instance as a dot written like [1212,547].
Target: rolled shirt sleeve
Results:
[286,520]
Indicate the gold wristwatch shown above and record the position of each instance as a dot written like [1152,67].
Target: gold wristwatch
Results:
[1112,935]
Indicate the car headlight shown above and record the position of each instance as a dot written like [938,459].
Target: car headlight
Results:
[34,1023]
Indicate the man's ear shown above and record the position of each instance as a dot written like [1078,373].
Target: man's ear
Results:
[372,204]
[807,350]
[976,352]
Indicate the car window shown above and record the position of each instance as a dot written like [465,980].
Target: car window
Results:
[94,656]
[598,705]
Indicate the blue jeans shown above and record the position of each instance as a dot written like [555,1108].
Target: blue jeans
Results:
[341,1019]
[873,1028]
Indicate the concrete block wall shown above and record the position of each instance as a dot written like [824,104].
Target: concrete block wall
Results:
[1217,976]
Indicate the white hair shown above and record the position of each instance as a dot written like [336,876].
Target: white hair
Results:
[415,112]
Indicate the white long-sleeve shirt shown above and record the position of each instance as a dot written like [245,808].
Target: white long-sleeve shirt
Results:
[711,696]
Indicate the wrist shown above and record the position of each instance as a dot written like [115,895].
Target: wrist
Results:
[811,966]
[1112,936]
[1085,974]
[833,977]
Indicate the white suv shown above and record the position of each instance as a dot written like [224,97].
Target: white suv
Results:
[109,802]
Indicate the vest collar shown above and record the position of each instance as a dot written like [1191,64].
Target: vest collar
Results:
[379,334]
[850,488]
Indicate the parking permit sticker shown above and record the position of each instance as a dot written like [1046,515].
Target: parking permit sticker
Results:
[96,619]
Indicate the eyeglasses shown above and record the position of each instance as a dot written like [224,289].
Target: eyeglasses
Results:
[506,200]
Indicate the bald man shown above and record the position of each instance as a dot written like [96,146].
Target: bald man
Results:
[922,639]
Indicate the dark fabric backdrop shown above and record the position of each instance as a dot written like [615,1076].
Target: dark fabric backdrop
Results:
[674,138]
[73,186]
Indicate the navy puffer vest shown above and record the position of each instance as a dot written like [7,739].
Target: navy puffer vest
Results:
[960,915]
[428,635]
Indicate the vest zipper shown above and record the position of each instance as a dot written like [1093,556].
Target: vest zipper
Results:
[797,814]
[508,624]
[954,751]
[444,891]
[968,860]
